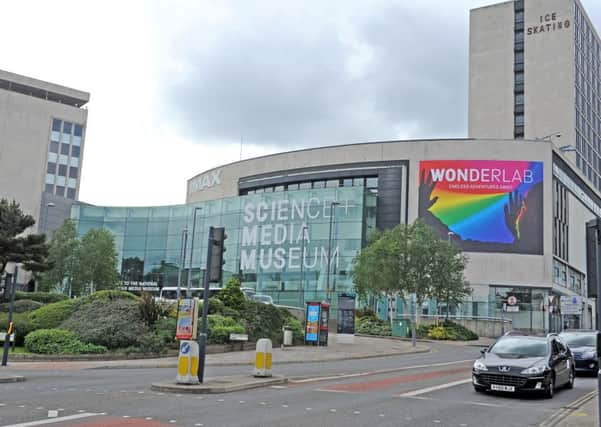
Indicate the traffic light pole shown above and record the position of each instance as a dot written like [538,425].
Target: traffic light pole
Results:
[13,287]
[202,334]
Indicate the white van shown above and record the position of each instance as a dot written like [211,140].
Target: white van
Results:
[169,293]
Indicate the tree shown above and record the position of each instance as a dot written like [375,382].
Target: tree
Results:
[409,260]
[449,285]
[62,255]
[31,250]
[96,267]
[231,294]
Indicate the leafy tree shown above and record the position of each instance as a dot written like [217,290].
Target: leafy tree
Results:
[96,267]
[62,254]
[449,285]
[409,260]
[30,250]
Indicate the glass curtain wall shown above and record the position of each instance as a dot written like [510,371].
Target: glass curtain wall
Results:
[268,236]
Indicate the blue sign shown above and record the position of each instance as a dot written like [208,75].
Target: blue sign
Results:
[312,327]
[185,348]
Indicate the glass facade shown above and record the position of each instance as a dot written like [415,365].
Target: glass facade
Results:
[64,149]
[278,242]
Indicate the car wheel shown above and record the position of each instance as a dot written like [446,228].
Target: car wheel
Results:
[570,383]
[550,390]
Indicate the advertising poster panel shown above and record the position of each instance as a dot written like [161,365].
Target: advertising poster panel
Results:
[187,313]
[312,326]
[484,205]
[346,314]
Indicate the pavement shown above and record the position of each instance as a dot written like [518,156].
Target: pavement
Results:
[581,413]
[361,348]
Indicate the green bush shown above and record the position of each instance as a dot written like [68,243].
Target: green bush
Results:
[52,315]
[297,329]
[23,325]
[164,328]
[231,295]
[113,323]
[448,331]
[111,295]
[216,306]
[43,297]
[58,341]
[150,310]
[220,328]
[21,306]
[263,321]
[371,326]
[366,312]
[438,333]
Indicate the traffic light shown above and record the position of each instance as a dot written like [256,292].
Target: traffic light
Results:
[217,238]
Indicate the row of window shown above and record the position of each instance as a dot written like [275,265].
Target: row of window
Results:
[568,277]
[518,67]
[64,153]
[560,221]
[369,182]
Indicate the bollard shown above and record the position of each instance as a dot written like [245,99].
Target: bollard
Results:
[263,358]
[187,363]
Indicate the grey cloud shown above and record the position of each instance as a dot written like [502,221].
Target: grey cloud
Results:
[277,84]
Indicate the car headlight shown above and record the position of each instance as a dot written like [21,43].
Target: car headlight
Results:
[589,355]
[479,366]
[539,368]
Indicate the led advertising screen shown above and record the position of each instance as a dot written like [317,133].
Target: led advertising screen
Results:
[484,205]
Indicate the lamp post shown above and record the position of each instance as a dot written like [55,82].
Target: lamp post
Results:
[551,136]
[48,205]
[332,211]
[192,249]
[182,259]
[301,288]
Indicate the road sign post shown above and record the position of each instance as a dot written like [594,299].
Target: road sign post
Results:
[13,287]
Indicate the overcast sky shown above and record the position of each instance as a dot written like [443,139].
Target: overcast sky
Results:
[175,86]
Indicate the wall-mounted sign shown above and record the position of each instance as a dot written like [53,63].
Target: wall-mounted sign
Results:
[548,22]
[207,180]
[484,205]
[570,304]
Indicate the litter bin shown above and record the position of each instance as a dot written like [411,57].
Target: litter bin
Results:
[400,327]
[287,337]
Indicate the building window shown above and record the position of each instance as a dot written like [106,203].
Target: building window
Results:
[72,172]
[71,193]
[60,191]
[56,125]
[371,182]
[53,147]
[67,128]
[519,120]
[519,99]
[51,168]
[65,149]
[319,184]
[49,188]
[62,170]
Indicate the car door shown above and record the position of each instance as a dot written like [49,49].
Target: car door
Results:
[560,362]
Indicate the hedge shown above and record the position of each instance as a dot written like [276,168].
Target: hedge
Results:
[52,315]
[220,328]
[43,297]
[21,306]
[23,325]
[58,341]
[109,295]
[113,323]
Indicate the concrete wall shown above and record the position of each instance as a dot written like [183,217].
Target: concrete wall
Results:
[488,328]
[549,89]
[25,124]
[491,72]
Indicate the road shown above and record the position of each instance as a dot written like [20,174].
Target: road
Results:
[430,389]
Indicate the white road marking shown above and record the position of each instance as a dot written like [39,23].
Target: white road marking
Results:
[356,412]
[220,400]
[284,406]
[55,420]
[198,424]
[242,401]
[308,409]
[2,404]
[52,414]
[21,406]
[39,408]
[278,386]
[172,421]
[125,416]
[377,372]
[381,415]
[336,391]
[332,410]
[435,388]
[436,421]
[148,418]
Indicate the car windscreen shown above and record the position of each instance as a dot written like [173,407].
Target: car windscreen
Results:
[168,294]
[579,340]
[520,347]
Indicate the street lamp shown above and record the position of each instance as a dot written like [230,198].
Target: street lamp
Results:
[332,211]
[197,208]
[550,136]
[48,206]
[567,148]
[182,259]
[301,289]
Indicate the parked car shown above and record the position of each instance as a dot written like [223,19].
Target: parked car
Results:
[265,299]
[583,344]
[248,292]
[524,364]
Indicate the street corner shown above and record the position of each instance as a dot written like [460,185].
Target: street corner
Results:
[11,379]
[219,385]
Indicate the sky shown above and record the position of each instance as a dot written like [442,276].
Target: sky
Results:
[178,87]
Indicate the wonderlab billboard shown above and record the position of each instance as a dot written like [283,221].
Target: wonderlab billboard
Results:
[484,205]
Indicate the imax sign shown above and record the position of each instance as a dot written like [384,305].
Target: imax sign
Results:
[208,180]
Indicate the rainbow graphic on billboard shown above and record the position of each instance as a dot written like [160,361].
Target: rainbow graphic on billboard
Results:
[484,205]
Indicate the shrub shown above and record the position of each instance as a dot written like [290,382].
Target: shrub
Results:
[23,325]
[165,329]
[58,341]
[220,328]
[448,331]
[43,297]
[263,321]
[149,308]
[370,326]
[231,295]
[366,312]
[297,329]
[111,295]
[52,315]
[216,306]
[438,333]
[21,306]
[113,323]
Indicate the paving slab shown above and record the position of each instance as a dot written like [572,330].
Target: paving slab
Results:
[220,385]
